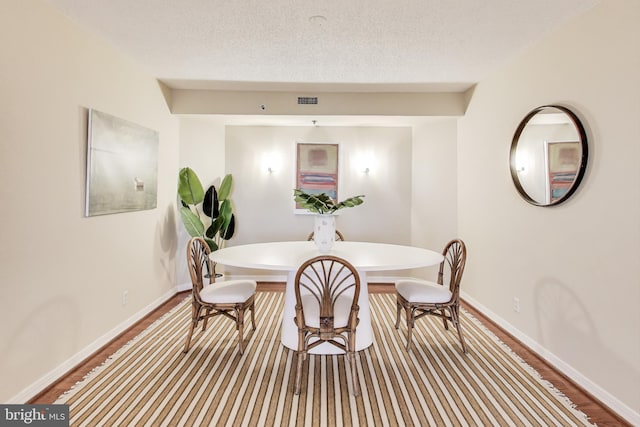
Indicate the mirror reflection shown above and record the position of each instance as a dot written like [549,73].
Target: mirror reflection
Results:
[548,155]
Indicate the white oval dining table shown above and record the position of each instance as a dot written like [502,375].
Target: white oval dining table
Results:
[288,256]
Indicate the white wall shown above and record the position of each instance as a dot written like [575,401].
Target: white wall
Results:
[63,275]
[410,191]
[434,183]
[263,197]
[574,267]
[202,148]
[264,201]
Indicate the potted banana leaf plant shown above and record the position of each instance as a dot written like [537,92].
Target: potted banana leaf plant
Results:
[207,214]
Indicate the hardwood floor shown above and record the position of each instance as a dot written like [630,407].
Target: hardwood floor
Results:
[598,413]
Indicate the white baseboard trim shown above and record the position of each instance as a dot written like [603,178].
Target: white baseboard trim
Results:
[55,374]
[598,392]
[184,287]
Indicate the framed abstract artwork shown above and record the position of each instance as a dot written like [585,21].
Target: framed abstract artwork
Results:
[317,169]
[122,166]
[563,162]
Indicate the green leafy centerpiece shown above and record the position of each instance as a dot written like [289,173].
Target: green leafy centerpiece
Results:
[322,203]
[324,207]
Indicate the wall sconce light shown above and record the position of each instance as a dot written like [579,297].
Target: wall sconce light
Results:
[363,163]
[270,162]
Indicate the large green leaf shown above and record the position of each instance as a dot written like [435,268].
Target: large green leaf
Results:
[215,227]
[212,245]
[318,203]
[231,228]
[226,211]
[210,203]
[189,187]
[350,202]
[225,187]
[191,222]
[322,203]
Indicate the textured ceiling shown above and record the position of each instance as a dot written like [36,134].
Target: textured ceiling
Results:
[336,44]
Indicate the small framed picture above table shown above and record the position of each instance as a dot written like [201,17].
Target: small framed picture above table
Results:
[317,169]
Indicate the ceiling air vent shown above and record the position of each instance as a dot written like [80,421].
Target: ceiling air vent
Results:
[304,100]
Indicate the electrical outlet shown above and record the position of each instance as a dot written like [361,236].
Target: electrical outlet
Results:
[516,304]
[125,297]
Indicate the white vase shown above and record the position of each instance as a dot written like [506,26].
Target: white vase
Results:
[324,232]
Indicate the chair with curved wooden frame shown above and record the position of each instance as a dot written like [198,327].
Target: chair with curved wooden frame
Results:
[339,236]
[228,298]
[419,298]
[327,290]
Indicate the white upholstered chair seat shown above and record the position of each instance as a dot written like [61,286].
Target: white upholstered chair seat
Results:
[342,310]
[422,291]
[419,298]
[229,298]
[228,292]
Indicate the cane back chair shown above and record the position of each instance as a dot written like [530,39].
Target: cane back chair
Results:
[419,298]
[228,298]
[327,290]
[339,236]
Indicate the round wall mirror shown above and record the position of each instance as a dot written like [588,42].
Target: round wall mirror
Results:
[548,155]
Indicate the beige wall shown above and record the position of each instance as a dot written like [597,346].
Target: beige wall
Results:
[63,275]
[202,148]
[434,183]
[405,162]
[263,197]
[574,267]
[282,103]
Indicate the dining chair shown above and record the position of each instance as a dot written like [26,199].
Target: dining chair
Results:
[420,298]
[228,298]
[326,290]
[339,236]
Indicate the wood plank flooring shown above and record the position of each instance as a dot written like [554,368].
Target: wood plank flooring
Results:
[598,412]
